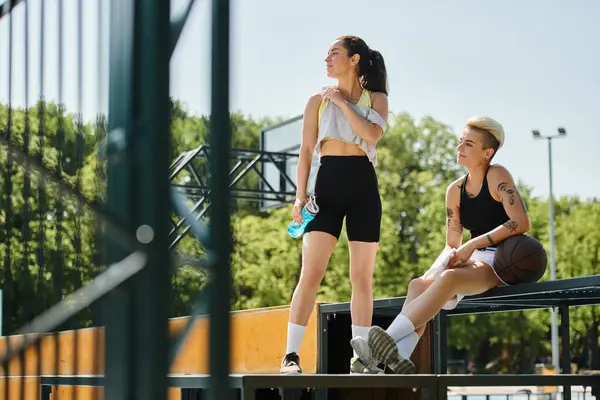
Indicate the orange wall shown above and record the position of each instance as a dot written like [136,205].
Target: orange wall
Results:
[258,341]
[29,389]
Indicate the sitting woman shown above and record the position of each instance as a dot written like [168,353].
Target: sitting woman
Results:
[487,203]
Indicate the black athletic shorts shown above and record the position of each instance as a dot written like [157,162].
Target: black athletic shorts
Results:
[347,187]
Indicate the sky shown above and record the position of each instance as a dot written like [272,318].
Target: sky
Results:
[530,65]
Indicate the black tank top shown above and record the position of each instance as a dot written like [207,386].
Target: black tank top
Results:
[482,213]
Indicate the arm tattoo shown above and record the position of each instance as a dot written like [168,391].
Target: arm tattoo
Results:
[457,227]
[489,238]
[503,187]
[454,225]
[512,193]
[510,225]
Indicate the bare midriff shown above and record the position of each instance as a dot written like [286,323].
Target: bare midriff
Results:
[334,147]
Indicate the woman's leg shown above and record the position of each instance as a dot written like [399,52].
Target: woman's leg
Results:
[472,279]
[362,265]
[316,252]
[363,226]
[475,278]
[416,288]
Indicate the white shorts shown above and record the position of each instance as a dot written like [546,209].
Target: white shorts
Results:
[485,255]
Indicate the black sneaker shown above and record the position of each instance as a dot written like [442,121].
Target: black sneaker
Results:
[291,364]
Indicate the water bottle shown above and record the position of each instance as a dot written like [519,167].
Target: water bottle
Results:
[309,211]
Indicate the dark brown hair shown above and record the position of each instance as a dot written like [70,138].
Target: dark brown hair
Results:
[371,67]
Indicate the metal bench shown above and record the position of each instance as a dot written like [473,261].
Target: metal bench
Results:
[247,385]
[563,293]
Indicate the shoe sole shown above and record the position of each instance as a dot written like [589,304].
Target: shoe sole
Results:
[290,372]
[367,371]
[361,347]
[385,350]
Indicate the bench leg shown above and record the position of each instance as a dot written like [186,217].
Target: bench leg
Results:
[565,359]
[440,362]
[45,391]
[191,394]
[248,393]
[440,356]
[323,367]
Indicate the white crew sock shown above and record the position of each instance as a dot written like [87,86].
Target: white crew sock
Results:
[362,331]
[407,344]
[400,327]
[295,334]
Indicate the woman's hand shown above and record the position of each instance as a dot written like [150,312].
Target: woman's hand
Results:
[334,95]
[461,256]
[297,210]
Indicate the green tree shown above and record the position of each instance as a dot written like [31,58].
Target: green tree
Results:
[42,228]
[578,254]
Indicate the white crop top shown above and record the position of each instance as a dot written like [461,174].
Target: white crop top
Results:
[334,124]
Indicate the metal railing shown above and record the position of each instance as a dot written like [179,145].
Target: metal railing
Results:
[69,212]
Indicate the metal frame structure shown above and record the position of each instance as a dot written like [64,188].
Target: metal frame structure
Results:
[245,161]
[290,152]
[138,347]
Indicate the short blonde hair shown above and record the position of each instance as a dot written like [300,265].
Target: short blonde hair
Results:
[489,125]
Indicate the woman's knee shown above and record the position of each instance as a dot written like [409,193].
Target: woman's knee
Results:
[361,278]
[450,277]
[418,285]
[312,275]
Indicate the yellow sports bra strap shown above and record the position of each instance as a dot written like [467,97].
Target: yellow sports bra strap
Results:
[364,100]
[321,108]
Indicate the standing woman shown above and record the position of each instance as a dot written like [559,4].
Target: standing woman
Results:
[343,124]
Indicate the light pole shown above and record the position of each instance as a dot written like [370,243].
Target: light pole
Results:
[554,327]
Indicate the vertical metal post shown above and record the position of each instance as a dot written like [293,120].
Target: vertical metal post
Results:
[323,366]
[220,230]
[554,310]
[120,158]
[138,196]
[440,343]
[151,140]
[565,339]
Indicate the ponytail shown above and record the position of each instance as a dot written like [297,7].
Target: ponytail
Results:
[374,75]
[371,66]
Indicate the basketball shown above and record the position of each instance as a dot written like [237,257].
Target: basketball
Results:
[520,259]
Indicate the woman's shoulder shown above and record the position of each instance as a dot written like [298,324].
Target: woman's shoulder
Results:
[457,183]
[315,100]
[376,96]
[454,188]
[497,171]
